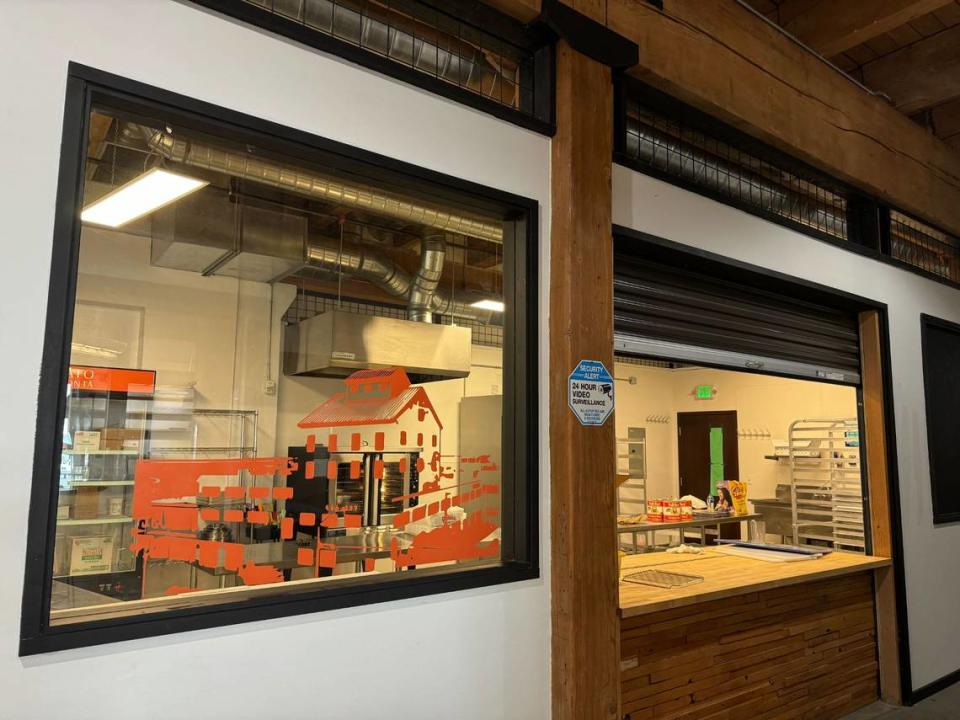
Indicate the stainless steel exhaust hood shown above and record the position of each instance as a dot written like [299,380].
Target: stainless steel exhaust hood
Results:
[337,343]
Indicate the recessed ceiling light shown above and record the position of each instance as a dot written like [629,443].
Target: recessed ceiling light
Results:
[492,305]
[139,197]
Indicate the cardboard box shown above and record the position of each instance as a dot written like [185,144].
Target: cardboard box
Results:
[86,503]
[91,555]
[86,440]
[121,439]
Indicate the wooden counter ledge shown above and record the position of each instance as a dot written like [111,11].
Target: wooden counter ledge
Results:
[727,576]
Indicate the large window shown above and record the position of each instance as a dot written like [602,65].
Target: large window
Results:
[280,375]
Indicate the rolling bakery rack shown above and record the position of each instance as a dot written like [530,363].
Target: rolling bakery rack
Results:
[632,462]
[826,485]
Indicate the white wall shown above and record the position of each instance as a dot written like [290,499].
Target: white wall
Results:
[488,655]
[932,563]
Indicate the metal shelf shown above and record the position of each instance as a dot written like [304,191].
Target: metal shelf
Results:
[95,521]
[632,494]
[99,483]
[101,452]
[192,449]
[826,491]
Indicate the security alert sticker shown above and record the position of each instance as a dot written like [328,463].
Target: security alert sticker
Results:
[590,392]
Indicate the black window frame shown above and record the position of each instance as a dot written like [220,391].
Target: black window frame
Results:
[520,478]
[931,392]
[533,39]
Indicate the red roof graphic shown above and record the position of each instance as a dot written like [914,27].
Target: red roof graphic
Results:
[372,397]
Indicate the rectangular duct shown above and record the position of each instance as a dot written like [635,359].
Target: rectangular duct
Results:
[210,233]
[337,343]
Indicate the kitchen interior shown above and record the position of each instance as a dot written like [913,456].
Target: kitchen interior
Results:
[772,436]
[281,374]
[745,577]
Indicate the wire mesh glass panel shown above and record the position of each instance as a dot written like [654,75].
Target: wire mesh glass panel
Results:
[924,247]
[731,173]
[422,38]
[660,136]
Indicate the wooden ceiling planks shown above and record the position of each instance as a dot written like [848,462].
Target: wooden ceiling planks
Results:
[921,75]
[908,51]
[833,27]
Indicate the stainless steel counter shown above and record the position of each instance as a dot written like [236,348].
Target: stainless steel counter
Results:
[699,523]
[777,515]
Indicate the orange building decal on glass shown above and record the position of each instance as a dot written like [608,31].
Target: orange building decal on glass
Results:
[444,513]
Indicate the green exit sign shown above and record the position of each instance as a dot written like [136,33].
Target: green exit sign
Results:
[704,392]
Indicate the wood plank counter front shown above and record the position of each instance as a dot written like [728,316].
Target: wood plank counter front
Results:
[753,640]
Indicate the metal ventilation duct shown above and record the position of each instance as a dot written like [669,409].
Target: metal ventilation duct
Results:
[302,182]
[329,254]
[686,161]
[208,233]
[432,251]
[458,63]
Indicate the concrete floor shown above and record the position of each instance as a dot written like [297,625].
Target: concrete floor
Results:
[945,705]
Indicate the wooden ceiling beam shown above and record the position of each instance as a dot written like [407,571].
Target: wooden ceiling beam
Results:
[945,119]
[523,10]
[921,75]
[722,59]
[832,27]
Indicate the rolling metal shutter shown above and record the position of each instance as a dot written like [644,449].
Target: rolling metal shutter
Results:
[660,311]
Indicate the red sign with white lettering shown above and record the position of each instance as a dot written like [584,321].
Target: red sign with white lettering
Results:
[120,380]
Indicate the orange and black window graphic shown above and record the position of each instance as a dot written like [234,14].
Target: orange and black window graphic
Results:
[370,492]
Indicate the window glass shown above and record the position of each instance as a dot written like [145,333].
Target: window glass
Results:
[428,38]
[283,374]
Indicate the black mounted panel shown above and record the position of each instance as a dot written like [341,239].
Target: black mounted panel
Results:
[941,384]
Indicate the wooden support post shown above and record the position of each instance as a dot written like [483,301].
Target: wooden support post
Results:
[878,483]
[585,633]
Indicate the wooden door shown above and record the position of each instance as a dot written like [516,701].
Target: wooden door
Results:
[693,444]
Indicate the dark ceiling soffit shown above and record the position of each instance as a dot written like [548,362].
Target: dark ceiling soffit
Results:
[588,37]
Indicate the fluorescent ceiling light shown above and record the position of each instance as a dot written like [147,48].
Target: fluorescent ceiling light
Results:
[142,195]
[97,350]
[492,305]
